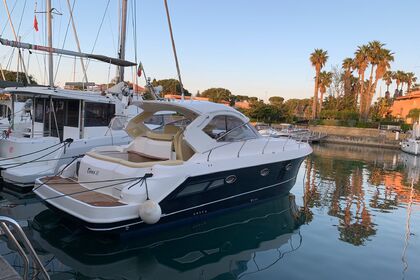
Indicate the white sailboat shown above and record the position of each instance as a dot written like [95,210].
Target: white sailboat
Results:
[65,124]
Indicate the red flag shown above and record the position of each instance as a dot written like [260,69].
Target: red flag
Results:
[35,24]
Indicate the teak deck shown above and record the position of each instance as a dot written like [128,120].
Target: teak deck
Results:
[73,189]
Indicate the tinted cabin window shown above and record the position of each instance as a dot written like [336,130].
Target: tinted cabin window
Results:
[228,129]
[193,189]
[4,111]
[155,120]
[98,114]
[39,110]
[72,116]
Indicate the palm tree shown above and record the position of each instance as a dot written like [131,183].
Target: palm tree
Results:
[361,62]
[325,80]
[398,77]
[387,78]
[403,79]
[379,59]
[318,59]
[382,60]
[347,67]
[411,78]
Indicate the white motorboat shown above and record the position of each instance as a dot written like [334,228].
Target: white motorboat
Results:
[208,160]
[77,122]
[412,143]
[272,132]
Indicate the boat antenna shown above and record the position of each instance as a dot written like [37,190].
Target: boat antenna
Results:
[174,49]
[16,38]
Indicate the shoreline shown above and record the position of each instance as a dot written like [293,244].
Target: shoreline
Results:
[359,136]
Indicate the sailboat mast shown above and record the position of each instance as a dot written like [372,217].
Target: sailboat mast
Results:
[50,54]
[122,38]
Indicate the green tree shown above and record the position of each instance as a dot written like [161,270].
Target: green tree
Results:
[267,113]
[298,108]
[217,94]
[414,114]
[170,86]
[276,100]
[411,79]
[387,78]
[361,62]
[12,75]
[325,79]
[318,59]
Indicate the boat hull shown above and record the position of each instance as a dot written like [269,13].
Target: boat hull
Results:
[249,187]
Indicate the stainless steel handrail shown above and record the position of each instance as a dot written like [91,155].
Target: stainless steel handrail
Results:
[5,224]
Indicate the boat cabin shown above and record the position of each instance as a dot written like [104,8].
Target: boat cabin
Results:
[192,127]
[67,113]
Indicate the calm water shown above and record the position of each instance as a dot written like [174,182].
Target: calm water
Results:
[353,214]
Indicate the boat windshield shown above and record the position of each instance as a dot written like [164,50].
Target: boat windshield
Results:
[160,121]
[226,128]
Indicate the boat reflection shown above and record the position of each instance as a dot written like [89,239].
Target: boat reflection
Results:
[239,242]
[353,182]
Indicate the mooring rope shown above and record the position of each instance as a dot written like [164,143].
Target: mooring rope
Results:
[42,156]
[65,142]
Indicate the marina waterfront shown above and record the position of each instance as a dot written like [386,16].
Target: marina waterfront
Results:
[352,214]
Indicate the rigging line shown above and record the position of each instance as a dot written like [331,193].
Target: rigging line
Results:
[31,153]
[21,17]
[76,38]
[112,33]
[9,62]
[47,154]
[64,42]
[43,160]
[16,38]
[99,31]
[5,22]
[59,25]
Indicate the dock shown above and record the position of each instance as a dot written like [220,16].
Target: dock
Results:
[359,136]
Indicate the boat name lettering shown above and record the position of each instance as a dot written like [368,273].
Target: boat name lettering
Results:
[92,172]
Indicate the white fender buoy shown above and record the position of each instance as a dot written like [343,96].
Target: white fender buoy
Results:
[150,212]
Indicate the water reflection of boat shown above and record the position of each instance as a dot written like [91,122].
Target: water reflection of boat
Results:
[21,208]
[412,144]
[412,166]
[221,246]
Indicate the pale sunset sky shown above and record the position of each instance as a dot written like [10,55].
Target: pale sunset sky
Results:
[257,48]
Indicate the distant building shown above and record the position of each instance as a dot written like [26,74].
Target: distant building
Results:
[403,104]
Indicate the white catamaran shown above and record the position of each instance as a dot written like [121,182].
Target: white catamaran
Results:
[64,124]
